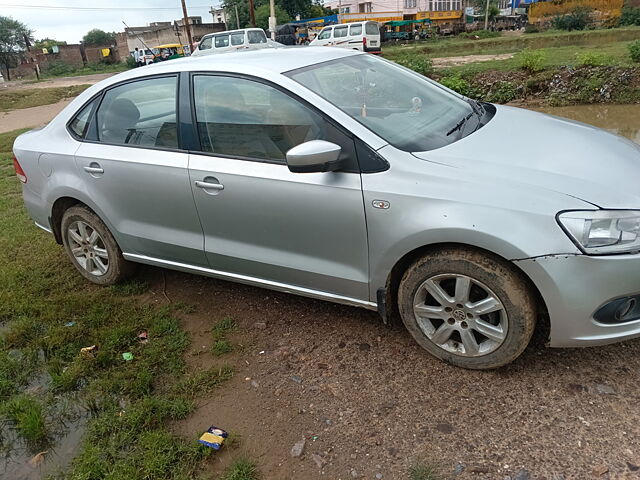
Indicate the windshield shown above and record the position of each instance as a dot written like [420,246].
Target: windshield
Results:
[404,108]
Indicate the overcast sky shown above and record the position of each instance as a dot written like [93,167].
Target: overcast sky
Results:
[71,22]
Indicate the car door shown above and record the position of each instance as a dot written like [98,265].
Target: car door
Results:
[324,39]
[136,175]
[341,36]
[260,220]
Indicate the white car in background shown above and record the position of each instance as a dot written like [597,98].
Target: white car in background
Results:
[363,36]
[232,41]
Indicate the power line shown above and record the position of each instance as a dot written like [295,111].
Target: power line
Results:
[60,7]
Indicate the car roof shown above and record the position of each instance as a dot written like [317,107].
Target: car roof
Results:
[266,60]
[225,32]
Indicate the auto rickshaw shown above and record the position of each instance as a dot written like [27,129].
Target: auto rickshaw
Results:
[168,51]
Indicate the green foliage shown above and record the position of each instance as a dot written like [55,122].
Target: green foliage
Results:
[423,471]
[531,28]
[502,92]
[262,16]
[48,43]
[578,19]
[219,333]
[591,59]
[531,60]
[12,42]
[59,68]
[99,37]
[630,16]
[33,97]
[479,34]
[634,51]
[27,414]
[459,84]
[241,469]
[416,62]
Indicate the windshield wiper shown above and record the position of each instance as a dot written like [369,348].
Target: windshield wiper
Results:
[460,124]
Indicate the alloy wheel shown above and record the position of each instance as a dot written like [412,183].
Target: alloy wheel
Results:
[460,315]
[88,248]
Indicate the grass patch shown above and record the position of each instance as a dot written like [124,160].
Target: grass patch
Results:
[221,344]
[424,471]
[34,97]
[62,69]
[241,469]
[49,313]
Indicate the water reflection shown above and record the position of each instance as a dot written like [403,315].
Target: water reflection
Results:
[621,119]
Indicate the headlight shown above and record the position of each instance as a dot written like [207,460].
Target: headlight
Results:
[603,231]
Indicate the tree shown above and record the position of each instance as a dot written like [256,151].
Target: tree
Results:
[14,36]
[48,43]
[262,16]
[99,37]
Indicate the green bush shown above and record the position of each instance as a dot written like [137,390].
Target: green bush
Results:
[630,16]
[459,85]
[531,28]
[634,50]
[130,61]
[502,92]
[59,68]
[578,19]
[591,59]
[480,34]
[418,63]
[531,60]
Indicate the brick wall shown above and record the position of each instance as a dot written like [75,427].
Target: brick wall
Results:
[94,54]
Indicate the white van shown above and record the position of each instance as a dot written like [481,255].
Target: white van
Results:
[231,41]
[363,36]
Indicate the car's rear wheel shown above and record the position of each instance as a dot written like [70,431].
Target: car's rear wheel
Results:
[468,308]
[91,247]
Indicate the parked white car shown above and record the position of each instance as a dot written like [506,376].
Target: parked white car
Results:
[363,36]
[232,41]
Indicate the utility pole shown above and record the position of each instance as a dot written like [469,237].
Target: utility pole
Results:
[187,26]
[252,14]
[237,17]
[272,19]
[486,15]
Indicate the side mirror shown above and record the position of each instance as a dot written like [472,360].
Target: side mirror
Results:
[314,156]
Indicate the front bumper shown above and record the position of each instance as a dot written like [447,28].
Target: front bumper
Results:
[574,287]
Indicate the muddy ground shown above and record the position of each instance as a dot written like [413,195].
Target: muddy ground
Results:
[370,402]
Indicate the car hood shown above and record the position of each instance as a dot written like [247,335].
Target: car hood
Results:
[543,151]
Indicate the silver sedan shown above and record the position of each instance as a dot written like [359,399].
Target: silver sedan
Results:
[341,176]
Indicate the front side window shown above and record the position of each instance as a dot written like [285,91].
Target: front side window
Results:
[340,32]
[80,123]
[355,30]
[371,29]
[206,43]
[407,110]
[256,36]
[325,34]
[242,118]
[237,38]
[221,41]
[140,113]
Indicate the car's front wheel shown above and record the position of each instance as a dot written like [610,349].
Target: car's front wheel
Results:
[91,247]
[471,309]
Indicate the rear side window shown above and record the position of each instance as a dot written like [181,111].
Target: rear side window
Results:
[324,34]
[256,36]
[355,29]
[140,113]
[80,123]
[206,43]
[237,38]
[222,41]
[339,32]
[372,29]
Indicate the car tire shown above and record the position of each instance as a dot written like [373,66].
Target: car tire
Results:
[91,247]
[469,308]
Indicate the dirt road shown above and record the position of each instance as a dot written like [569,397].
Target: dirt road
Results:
[369,402]
[56,82]
[30,117]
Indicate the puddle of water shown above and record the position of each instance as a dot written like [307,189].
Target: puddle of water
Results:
[620,119]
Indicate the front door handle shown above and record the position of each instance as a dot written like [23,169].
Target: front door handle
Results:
[209,186]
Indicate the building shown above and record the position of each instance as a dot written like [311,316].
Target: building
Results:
[219,15]
[162,33]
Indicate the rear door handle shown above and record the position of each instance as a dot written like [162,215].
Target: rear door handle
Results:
[209,186]
[94,169]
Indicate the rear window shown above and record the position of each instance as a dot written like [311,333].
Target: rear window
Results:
[237,38]
[80,124]
[222,41]
[206,43]
[340,32]
[355,29]
[372,29]
[256,36]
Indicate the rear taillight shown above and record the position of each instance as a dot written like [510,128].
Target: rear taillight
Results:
[364,42]
[19,172]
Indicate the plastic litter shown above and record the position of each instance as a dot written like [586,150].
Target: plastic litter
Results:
[69,324]
[128,356]
[214,437]
[143,337]
[87,350]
